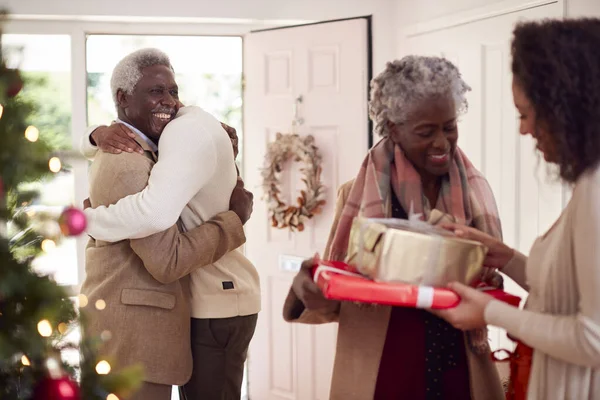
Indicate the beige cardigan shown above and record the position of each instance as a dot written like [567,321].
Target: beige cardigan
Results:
[361,336]
[562,317]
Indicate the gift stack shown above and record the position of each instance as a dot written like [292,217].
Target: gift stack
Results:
[404,263]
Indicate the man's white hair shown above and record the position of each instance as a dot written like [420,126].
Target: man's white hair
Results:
[128,71]
[405,83]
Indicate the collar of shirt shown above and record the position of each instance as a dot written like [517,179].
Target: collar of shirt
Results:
[145,138]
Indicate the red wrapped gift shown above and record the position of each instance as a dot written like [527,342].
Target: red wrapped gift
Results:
[337,281]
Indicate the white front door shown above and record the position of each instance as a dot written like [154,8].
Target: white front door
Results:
[325,64]
[529,202]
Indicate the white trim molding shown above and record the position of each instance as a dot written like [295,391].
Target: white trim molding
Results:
[157,20]
[477,14]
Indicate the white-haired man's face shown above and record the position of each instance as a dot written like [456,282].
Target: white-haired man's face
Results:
[153,103]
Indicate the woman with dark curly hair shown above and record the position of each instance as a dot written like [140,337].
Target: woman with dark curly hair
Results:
[394,352]
[556,88]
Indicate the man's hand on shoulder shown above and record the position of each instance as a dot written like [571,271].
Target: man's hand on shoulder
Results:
[115,139]
[242,201]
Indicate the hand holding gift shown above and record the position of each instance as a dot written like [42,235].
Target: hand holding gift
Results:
[307,290]
[469,313]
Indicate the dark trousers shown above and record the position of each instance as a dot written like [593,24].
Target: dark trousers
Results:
[152,391]
[219,350]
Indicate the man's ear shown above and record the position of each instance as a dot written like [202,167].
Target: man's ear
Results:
[122,99]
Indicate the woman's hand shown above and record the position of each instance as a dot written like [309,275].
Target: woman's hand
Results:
[116,139]
[308,292]
[498,254]
[469,313]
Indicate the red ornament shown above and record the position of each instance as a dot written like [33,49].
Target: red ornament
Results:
[15,83]
[72,222]
[56,389]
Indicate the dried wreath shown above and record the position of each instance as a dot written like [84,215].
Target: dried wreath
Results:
[311,199]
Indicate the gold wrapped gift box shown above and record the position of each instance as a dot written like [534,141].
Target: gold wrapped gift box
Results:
[396,250]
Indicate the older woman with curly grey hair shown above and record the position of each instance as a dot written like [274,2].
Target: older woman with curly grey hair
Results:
[391,352]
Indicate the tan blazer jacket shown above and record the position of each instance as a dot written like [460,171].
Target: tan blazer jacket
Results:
[147,302]
[361,335]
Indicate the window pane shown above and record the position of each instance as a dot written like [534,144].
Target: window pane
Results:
[208,70]
[45,64]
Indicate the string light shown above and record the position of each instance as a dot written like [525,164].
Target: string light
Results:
[62,328]
[54,164]
[25,361]
[103,368]
[1,110]
[44,328]
[32,133]
[112,397]
[83,300]
[48,245]
[100,305]
[106,336]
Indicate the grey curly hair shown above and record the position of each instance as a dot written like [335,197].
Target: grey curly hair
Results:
[406,82]
[128,71]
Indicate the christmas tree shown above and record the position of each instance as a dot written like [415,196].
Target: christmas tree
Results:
[36,314]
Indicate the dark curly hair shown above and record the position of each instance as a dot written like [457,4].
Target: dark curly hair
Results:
[557,64]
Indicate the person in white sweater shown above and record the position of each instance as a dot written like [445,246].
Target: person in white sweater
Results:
[191,182]
[556,89]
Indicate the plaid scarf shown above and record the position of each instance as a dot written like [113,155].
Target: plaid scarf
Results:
[465,195]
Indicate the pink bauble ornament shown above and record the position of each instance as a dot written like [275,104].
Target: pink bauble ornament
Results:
[72,222]
[56,389]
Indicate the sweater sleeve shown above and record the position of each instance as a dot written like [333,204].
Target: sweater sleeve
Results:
[168,255]
[187,160]
[571,338]
[86,148]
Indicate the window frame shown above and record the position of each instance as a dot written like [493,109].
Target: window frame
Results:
[78,29]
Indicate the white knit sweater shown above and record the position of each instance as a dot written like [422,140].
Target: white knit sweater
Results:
[192,180]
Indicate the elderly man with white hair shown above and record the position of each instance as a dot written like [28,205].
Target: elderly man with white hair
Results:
[143,278]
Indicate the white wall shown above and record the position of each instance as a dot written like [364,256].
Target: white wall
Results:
[583,8]
[411,12]
[251,12]
[424,10]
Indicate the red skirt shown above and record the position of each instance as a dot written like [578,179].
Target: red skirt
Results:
[405,370]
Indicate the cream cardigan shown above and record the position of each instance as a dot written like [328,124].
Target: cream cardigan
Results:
[561,320]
